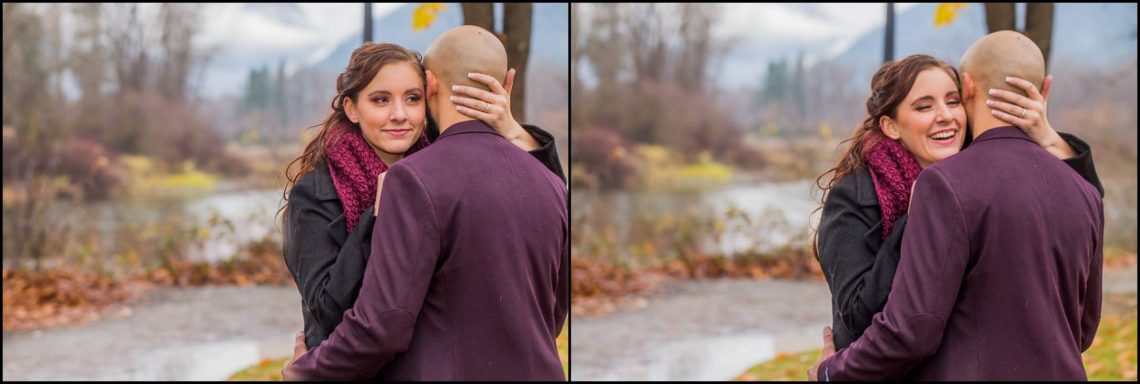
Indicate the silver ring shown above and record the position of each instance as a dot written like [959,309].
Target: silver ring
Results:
[1023,110]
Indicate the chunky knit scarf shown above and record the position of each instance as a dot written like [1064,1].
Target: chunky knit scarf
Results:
[893,170]
[355,167]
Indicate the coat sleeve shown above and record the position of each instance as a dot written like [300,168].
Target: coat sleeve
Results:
[926,285]
[547,153]
[562,288]
[1083,161]
[328,275]
[379,326]
[859,277]
[1091,302]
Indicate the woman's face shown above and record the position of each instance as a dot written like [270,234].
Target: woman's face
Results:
[931,121]
[390,110]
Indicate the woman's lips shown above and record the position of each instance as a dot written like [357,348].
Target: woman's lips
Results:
[945,139]
[397,132]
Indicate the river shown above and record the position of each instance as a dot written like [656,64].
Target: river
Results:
[752,215]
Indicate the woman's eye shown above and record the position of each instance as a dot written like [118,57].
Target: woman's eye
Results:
[413,99]
[923,107]
[954,102]
[380,100]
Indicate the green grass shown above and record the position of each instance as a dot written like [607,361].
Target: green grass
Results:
[1112,356]
[266,370]
[270,369]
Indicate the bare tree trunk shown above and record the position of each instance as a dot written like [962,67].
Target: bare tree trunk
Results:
[517,19]
[479,14]
[367,22]
[1039,27]
[889,35]
[575,55]
[1000,17]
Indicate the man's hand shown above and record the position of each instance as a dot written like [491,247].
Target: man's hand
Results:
[298,351]
[828,351]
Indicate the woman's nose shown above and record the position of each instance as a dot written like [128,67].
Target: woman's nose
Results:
[944,114]
[398,113]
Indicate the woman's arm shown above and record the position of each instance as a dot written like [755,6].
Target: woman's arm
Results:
[328,274]
[1030,114]
[494,108]
[858,274]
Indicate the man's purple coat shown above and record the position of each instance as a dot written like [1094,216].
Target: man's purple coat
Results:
[1000,273]
[468,277]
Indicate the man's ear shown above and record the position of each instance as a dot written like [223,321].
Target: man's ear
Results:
[889,128]
[967,87]
[432,83]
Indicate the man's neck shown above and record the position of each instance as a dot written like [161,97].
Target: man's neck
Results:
[447,115]
[984,121]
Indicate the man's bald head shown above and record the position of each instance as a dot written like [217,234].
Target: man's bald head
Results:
[1001,54]
[466,49]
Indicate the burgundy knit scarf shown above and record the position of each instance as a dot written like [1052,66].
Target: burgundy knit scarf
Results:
[893,170]
[354,167]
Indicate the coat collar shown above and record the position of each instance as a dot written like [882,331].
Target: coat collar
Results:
[468,126]
[865,187]
[1006,132]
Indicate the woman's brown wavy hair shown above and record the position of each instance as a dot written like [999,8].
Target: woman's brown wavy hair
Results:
[365,63]
[890,85]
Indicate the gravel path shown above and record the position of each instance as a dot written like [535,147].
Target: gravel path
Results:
[714,330]
[700,330]
[709,330]
[204,333]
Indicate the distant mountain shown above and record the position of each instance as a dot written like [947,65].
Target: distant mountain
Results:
[550,36]
[284,13]
[1091,34]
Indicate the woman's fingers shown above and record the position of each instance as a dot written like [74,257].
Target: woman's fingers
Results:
[480,94]
[1025,85]
[489,81]
[482,116]
[1011,109]
[1011,119]
[1016,99]
[510,84]
[475,104]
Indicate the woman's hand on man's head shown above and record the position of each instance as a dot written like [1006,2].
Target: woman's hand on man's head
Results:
[1029,114]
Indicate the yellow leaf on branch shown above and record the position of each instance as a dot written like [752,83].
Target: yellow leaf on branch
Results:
[945,13]
[424,15]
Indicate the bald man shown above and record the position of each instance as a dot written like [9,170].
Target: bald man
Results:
[469,275]
[1000,272]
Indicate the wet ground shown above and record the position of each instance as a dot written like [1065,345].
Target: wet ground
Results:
[203,333]
[714,330]
[698,330]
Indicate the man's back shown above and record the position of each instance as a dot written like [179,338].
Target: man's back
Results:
[1032,276]
[491,310]
[999,277]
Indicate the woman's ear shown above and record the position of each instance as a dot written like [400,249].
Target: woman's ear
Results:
[887,124]
[350,110]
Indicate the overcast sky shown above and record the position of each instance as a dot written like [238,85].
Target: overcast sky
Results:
[782,30]
[245,38]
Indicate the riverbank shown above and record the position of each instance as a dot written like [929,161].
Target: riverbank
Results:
[199,333]
[717,329]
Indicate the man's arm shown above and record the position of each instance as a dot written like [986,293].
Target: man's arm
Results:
[1091,303]
[931,269]
[562,288]
[405,248]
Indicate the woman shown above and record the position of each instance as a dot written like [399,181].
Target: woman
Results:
[379,116]
[916,118]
